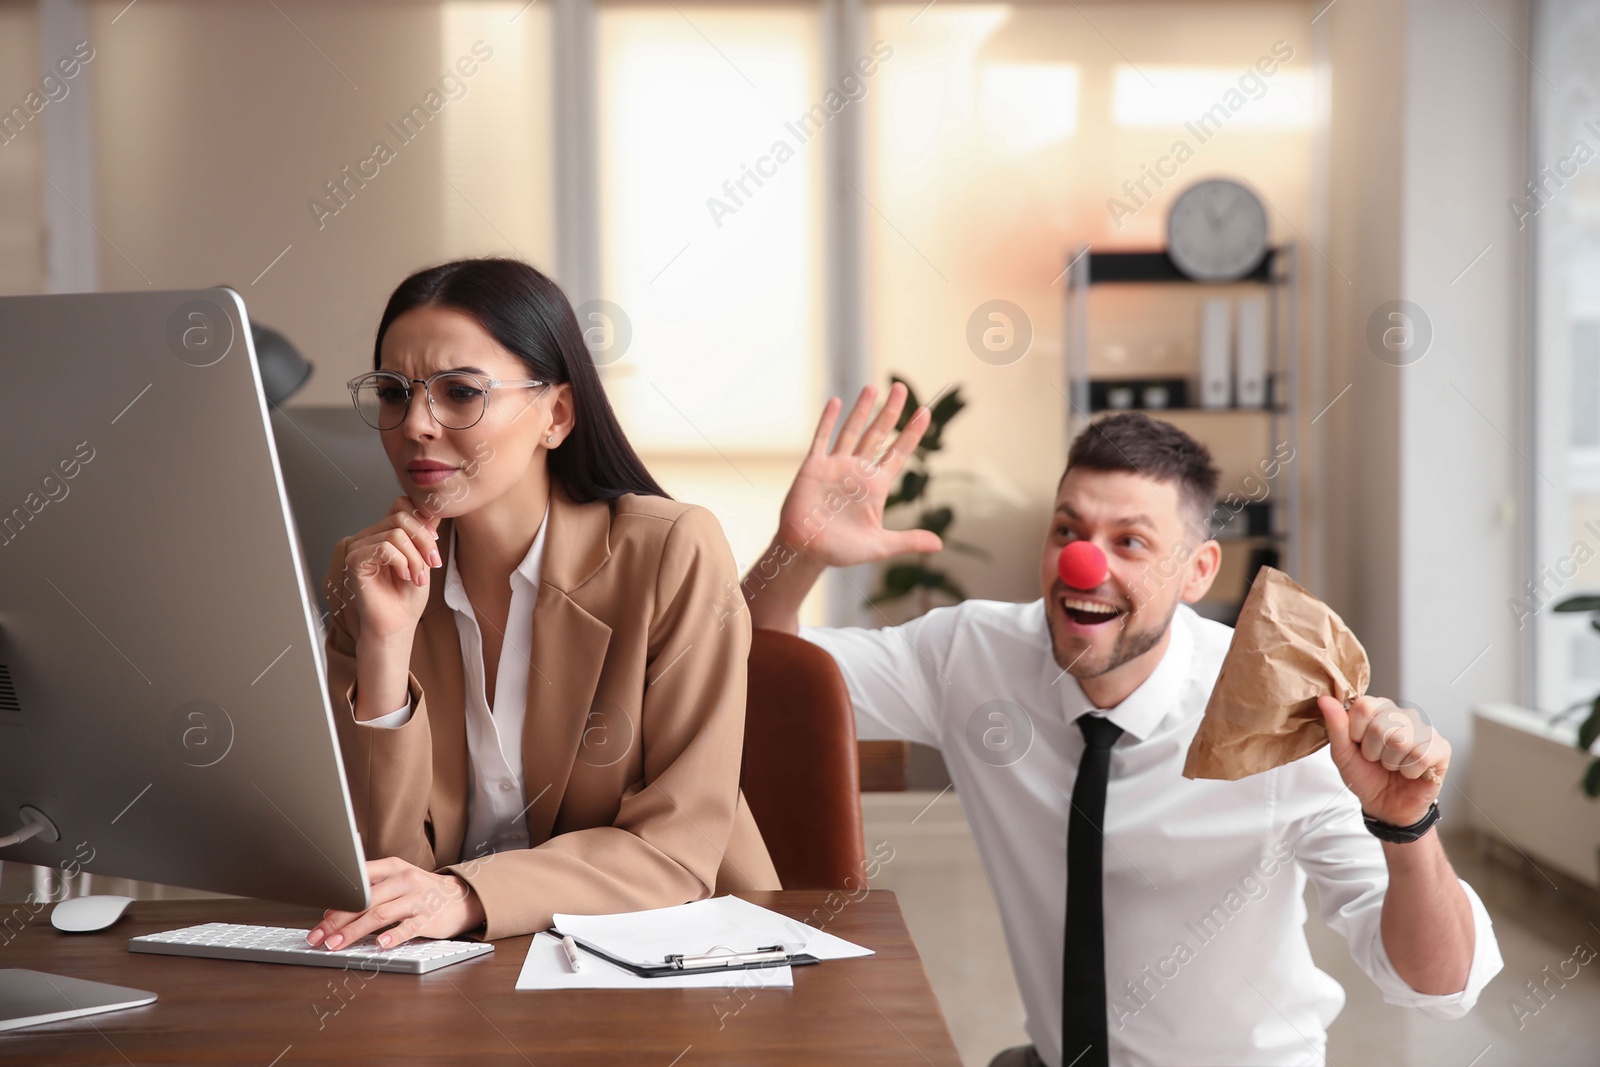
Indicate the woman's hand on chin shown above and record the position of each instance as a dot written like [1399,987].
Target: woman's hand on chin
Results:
[407,902]
[390,563]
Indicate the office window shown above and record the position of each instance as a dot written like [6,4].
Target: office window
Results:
[1561,208]
[712,122]
[711,222]
[1152,95]
[1030,105]
[496,168]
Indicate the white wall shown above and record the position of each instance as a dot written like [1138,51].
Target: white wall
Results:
[1424,472]
[215,126]
[1358,436]
[1462,526]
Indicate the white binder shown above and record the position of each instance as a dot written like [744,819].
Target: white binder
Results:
[1216,378]
[1250,352]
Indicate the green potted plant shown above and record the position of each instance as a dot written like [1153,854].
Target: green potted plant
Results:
[918,576]
[1589,729]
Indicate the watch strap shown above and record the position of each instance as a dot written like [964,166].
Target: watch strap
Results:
[1402,835]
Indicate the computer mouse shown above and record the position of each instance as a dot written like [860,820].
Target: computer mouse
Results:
[82,915]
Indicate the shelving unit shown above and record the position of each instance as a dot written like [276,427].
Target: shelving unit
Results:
[1087,269]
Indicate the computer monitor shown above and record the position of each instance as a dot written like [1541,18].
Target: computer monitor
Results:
[337,474]
[163,711]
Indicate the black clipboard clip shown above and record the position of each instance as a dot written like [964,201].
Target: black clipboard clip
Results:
[685,963]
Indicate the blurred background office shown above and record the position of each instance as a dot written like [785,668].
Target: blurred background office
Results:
[757,205]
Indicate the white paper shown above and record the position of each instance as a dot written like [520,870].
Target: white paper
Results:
[719,924]
[546,967]
[724,923]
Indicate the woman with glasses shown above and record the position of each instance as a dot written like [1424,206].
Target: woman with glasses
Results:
[537,671]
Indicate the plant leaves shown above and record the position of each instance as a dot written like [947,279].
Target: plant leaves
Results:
[912,483]
[911,402]
[1586,602]
[936,519]
[900,578]
[1590,727]
[1591,779]
[946,408]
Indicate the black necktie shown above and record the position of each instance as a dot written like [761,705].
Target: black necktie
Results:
[1083,968]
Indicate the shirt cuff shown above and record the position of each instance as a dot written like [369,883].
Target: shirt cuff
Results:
[394,719]
[1486,963]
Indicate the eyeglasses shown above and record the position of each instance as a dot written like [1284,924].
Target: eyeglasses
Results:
[456,399]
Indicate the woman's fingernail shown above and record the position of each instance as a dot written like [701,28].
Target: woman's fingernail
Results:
[333,942]
[383,942]
[436,561]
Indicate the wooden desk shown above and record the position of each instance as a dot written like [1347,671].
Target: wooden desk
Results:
[873,1010]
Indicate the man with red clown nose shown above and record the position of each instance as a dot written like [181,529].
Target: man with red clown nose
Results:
[1151,919]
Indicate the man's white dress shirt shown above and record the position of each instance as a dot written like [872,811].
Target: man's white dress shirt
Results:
[1206,955]
[496,806]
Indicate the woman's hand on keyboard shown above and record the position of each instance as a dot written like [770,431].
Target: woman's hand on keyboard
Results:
[407,902]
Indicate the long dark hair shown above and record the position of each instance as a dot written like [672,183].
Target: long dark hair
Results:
[531,317]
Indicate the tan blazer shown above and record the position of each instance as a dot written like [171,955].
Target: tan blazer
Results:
[634,730]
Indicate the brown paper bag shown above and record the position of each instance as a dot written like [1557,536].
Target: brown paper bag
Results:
[1288,648]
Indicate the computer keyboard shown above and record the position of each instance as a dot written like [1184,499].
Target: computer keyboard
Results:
[279,944]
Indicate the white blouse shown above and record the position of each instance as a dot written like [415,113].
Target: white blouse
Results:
[496,806]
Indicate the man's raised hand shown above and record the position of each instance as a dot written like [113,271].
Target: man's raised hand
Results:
[834,510]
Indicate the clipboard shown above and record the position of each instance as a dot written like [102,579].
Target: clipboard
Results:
[690,963]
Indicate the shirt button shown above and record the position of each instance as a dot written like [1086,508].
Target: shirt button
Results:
[505,787]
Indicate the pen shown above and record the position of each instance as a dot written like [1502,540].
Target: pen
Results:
[769,954]
[571,948]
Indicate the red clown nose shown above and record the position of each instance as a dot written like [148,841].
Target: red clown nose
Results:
[1082,565]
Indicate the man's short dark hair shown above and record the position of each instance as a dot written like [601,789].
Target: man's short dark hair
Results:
[1132,441]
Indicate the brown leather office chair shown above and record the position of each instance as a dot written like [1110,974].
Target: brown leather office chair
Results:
[800,776]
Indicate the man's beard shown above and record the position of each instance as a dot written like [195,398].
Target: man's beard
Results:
[1130,645]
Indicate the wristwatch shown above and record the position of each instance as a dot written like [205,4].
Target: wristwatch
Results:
[1402,835]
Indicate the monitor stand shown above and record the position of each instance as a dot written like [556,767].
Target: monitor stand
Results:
[31,998]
